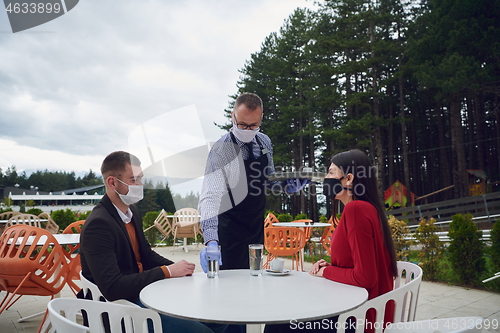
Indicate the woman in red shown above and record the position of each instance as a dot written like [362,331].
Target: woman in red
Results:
[362,250]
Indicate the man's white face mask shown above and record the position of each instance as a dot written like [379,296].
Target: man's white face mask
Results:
[244,135]
[135,193]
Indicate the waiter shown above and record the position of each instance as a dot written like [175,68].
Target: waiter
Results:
[233,196]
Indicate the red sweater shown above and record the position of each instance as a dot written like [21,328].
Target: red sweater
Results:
[359,256]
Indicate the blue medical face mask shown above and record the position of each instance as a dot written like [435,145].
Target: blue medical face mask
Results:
[332,187]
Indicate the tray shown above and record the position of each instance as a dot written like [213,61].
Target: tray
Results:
[313,176]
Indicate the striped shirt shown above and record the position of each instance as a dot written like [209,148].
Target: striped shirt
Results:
[225,166]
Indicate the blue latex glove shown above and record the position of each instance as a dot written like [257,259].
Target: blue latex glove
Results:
[295,185]
[211,252]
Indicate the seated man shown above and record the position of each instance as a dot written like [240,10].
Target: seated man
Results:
[114,252]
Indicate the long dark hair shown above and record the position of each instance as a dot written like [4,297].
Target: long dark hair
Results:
[365,188]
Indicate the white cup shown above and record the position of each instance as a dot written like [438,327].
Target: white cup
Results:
[277,265]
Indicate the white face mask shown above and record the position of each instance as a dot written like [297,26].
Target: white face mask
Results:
[135,194]
[244,135]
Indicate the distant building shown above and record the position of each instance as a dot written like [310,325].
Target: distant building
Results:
[78,199]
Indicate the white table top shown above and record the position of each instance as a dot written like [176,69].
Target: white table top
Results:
[236,297]
[301,224]
[62,239]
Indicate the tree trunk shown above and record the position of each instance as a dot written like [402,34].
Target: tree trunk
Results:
[404,141]
[458,151]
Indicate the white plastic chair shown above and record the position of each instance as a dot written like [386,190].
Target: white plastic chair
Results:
[444,325]
[404,295]
[186,224]
[134,319]
[96,294]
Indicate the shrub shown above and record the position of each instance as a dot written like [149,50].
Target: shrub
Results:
[83,216]
[34,211]
[63,218]
[147,221]
[431,248]
[300,216]
[400,234]
[284,217]
[466,249]
[495,246]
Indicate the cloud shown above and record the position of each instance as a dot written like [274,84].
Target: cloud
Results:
[74,89]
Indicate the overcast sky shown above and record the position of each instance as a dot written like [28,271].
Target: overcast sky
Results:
[77,88]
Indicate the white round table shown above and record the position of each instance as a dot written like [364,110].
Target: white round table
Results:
[301,224]
[236,297]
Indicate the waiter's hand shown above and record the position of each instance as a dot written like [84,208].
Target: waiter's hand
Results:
[295,185]
[211,252]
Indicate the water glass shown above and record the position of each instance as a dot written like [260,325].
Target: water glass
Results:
[255,252]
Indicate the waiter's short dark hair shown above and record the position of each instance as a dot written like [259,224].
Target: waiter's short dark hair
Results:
[116,162]
[250,100]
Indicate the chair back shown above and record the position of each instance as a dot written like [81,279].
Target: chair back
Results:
[75,265]
[404,295]
[269,220]
[28,219]
[6,216]
[163,224]
[133,319]
[31,263]
[285,241]
[443,325]
[90,290]
[186,223]
[50,225]
[326,237]
[307,230]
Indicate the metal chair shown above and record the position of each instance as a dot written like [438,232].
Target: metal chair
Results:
[443,325]
[404,296]
[285,241]
[162,224]
[31,263]
[72,252]
[122,318]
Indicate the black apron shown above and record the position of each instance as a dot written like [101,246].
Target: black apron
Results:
[244,223]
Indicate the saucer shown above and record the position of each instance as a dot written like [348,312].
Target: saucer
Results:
[285,272]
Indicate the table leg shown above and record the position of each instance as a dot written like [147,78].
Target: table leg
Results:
[185,245]
[255,328]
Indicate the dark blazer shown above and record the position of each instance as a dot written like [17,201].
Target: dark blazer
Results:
[108,259]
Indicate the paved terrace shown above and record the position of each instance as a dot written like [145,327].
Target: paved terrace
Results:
[436,300]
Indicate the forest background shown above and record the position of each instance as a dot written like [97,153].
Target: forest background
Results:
[414,84]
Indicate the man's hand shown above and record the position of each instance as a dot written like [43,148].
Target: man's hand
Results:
[295,185]
[211,252]
[181,268]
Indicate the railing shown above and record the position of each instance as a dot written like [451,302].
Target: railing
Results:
[484,207]
[443,236]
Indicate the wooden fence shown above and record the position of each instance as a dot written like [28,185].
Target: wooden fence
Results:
[484,208]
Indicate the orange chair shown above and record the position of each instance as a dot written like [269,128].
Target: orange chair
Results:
[50,225]
[285,241]
[326,238]
[72,252]
[31,263]
[269,220]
